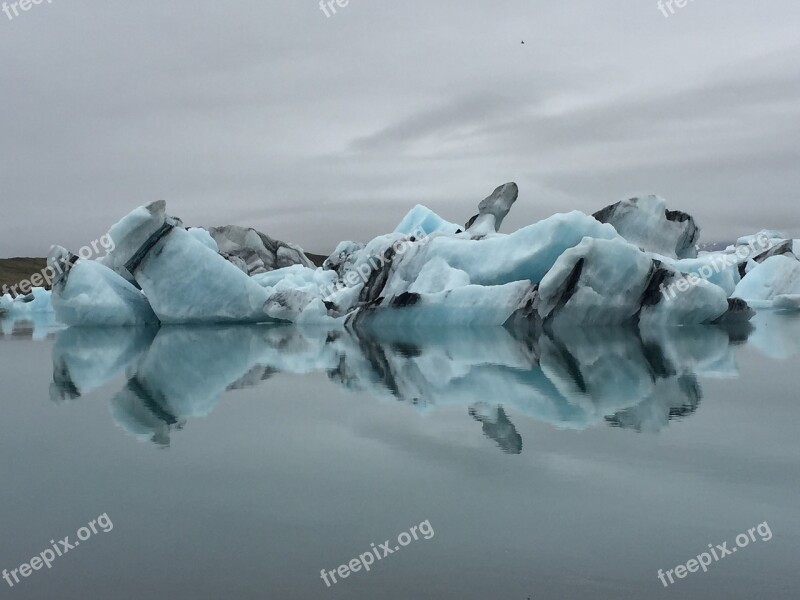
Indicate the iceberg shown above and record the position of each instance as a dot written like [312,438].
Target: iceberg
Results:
[769,234]
[492,210]
[183,279]
[131,233]
[646,223]
[611,282]
[36,302]
[88,293]
[422,220]
[204,237]
[775,283]
[257,251]
[633,262]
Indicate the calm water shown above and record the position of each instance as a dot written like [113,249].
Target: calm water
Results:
[239,462]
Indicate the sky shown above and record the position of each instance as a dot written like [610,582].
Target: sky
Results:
[315,128]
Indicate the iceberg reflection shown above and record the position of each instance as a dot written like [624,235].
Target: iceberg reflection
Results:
[569,378]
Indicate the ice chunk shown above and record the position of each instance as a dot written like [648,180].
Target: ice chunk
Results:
[343,256]
[421,220]
[492,210]
[437,276]
[769,234]
[395,271]
[611,282]
[204,237]
[525,255]
[470,305]
[259,252]
[646,222]
[598,282]
[131,233]
[297,277]
[37,301]
[765,285]
[718,268]
[184,280]
[778,248]
[699,302]
[88,293]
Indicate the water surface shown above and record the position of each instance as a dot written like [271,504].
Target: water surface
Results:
[238,462]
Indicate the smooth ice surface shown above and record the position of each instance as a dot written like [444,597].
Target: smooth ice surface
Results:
[718,268]
[422,219]
[773,283]
[526,254]
[204,237]
[94,295]
[130,233]
[186,282]
[437,276]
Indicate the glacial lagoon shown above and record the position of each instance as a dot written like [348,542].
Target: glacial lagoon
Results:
[241,461]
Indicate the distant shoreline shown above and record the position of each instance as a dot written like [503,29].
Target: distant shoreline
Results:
[14,270]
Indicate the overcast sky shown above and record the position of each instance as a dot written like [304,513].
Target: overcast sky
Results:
[316,129]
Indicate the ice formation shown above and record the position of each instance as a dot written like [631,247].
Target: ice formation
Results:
[87,292]
[634,262]
[492,210]
[775,283]
[422,219]
[36,302]
[646,223]
[258,252]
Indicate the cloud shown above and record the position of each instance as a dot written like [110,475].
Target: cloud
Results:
[315,129]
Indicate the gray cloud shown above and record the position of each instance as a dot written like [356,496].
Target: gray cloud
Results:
[318,129]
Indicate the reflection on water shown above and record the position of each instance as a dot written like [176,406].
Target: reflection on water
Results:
[571,379]
[38,326]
